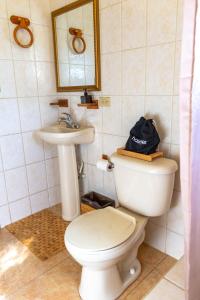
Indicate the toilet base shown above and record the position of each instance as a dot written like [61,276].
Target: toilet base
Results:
[106,284]
[111,282]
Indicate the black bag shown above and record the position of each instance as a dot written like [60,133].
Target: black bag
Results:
[143,137]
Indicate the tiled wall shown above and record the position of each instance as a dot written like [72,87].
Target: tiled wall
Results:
[28,177]
[140,47]
[140,54]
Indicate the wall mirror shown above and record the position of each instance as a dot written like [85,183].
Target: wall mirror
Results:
[77,46]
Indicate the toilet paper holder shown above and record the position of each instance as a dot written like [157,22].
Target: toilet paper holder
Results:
[111,164]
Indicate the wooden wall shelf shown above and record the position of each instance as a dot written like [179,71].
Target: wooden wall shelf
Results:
[61,103]
[93,105]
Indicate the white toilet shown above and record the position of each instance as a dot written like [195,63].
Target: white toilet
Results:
[105,242]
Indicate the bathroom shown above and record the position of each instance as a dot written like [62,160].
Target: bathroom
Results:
[133,51]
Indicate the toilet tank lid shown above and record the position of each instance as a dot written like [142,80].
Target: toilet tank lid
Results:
[157,166]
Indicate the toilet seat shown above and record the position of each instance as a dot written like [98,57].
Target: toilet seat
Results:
[100,230]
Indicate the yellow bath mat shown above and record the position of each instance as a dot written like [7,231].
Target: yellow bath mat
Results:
[42,233]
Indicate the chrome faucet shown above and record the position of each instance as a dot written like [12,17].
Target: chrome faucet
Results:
[68,120]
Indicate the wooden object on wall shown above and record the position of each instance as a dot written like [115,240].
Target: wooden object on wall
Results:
[22,23]
[61,103]
[77,35]
[93,105]
[149,157]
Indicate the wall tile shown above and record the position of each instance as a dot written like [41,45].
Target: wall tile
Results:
[175,154]
[133,24]
[39,201]
[160,108]
[106,3]
[4,216]
[111,74]
[111,143]
[175,121]
[12,151]
[175,215]
[50,150]
[160,69]
[18,52]
[109,186]
[7,81]
[26,80]
[81,153]
[156,236]
[49,114]
[111,29]
[133,72]
[174,244]
[18,8]
[59,3]
[111,124]
[52,172]
[78,113]
[161,21]
[3,12]
[36,177]
[3,195]
[177,68]
[46,79]
[29,114]
[179,20]
[95,179]
[5,49]
[43,43]
[33,148]
[94,119]
[16,184]
[132,110]
[40,12]
[94,150]
[9,117]
[54,195]
[160,221]
[20,209]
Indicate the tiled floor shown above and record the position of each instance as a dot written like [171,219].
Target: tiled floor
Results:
[171,287]
[24,277]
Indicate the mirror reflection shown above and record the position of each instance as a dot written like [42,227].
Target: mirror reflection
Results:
[74,37]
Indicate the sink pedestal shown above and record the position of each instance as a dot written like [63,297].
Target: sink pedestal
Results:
[70,196]
[66,138]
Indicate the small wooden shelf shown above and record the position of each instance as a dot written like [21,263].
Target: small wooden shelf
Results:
[149,157]
[93,105]
[61,103]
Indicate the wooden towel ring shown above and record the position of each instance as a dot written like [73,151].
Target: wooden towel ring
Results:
[78,35]
[22,23]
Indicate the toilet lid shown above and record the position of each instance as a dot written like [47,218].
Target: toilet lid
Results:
[102,229]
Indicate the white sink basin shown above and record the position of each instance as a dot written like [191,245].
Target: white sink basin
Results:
[61,135]
[65,139]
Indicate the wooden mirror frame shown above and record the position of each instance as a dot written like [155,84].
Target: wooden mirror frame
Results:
[62,10]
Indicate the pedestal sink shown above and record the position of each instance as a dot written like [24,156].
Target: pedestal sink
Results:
[65,139]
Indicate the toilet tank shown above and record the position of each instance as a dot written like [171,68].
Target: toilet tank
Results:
[144,187]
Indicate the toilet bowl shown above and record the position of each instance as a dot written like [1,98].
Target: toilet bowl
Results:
[105,242]
[110,262]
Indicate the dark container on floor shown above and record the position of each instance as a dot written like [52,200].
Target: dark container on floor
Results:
[97,201]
